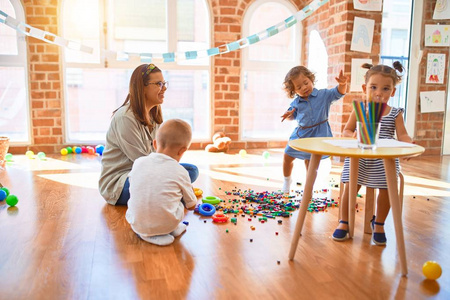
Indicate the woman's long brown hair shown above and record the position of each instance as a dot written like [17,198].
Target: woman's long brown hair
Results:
[136,98]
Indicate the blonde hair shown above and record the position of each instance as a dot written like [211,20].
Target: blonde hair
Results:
[136,98]
[385,71]
[294,73]
[174,133]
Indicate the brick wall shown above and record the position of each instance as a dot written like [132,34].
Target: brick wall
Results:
[430,126]
[335,24]
[44,80]
[334,21]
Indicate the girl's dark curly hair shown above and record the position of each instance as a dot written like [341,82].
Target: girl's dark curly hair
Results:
[294,73]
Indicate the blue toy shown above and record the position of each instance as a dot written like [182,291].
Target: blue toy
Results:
[3,195]
[206,209]
[99,149]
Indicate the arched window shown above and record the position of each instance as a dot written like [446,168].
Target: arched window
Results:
[265,64]
[14,100]
[97,83]
[318,60]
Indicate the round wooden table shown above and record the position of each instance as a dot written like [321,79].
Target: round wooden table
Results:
[319,146]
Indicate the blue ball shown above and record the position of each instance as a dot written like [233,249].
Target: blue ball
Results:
[2,195]
[78,150]
[99,149]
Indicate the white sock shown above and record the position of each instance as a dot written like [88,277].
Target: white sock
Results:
[287,185]
[179,230]
[160,240]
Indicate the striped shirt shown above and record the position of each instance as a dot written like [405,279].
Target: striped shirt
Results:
[371,171]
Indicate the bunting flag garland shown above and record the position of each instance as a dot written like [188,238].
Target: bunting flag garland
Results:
[170,56]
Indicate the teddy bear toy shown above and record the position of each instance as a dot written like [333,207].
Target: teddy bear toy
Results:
[221,143]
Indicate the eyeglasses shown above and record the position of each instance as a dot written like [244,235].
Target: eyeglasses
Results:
[147,70]
[161,84]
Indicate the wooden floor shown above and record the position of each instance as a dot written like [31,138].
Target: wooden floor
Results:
[63,241]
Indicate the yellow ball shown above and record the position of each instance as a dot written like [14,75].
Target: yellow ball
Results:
[242,153]
[29,154]
[432,270]
[64,151]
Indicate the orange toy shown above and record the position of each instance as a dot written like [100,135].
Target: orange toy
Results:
[221,143]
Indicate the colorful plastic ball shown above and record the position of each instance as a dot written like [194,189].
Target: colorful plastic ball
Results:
[84,149]
[6,190]
[432,270]
[64,151]
[99,149]
[41,155]
[3,195]
[77,150]
[12,200]
[29,154]
[242,153]
[8,157]
[69,150]
[90,150]
[266,154]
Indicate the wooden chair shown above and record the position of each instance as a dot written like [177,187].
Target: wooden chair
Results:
[370,202]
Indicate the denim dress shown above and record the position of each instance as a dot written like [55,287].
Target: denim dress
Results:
[312,118]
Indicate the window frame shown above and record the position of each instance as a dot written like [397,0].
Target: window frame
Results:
[105,8]
[20,60]
[249,65]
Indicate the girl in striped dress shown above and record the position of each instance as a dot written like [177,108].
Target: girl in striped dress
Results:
[380,82]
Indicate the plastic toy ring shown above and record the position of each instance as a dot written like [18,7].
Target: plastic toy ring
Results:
[211,200]
[219,218]
[206,209]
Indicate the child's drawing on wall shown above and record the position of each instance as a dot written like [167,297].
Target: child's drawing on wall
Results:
[435,68]
[362,35]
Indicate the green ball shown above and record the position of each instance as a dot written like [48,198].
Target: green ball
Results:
[6,190]
[12,200]
[41,155]
[8,157]
[266,154]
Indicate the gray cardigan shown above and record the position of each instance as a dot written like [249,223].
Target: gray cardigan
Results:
[126,140]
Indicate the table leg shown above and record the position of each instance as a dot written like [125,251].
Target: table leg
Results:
[307,195]
[353,186]
[391,178]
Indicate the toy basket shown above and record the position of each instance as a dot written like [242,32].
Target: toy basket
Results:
[4,146]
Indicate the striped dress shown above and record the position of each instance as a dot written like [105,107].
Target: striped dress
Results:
[371,171]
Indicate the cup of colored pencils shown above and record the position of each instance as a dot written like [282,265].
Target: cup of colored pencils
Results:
[368,120]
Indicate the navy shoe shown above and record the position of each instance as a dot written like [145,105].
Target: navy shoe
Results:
[379,238]
[340,235]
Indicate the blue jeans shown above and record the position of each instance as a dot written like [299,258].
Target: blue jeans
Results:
[125,195]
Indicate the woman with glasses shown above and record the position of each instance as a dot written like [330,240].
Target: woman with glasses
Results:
[132,131]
